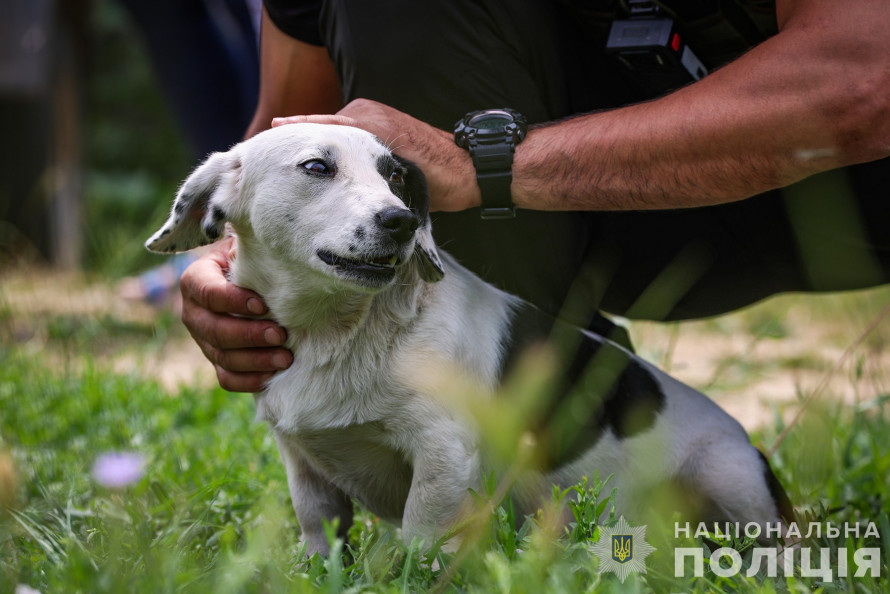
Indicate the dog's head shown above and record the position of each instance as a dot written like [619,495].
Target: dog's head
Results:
[332,198]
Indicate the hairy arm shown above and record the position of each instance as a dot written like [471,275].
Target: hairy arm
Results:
[295,78]
[813,97]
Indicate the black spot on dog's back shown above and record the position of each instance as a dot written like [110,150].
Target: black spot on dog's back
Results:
[599,386]
[777,491]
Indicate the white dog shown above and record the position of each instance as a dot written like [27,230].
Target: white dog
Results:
[334,232]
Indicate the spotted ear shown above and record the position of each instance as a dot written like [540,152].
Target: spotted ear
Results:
[203,205]
[430,265]
[425,252]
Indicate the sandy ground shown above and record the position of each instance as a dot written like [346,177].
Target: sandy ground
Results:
[829,347]
[755,363]
[31,302]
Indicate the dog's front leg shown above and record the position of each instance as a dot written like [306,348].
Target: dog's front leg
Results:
[315,500]
[446,465]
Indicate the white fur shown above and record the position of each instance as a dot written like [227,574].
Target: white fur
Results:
[352,417]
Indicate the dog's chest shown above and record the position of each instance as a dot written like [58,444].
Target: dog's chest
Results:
[345,417]
[329,387]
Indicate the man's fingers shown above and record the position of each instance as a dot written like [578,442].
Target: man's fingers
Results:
[315,119]
[223,331]
[243,361]
[245,351]
[242,382]
[204,283]
[247,370]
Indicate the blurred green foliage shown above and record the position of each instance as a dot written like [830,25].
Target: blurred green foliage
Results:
[134,154]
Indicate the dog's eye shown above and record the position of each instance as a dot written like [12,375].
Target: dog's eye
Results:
[397,177]
[319,167]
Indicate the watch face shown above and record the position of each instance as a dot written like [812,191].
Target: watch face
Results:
[491,120]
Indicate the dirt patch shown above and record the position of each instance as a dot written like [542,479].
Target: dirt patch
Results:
[764,360]
[63,317]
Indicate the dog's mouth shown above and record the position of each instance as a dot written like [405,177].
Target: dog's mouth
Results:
[380,267]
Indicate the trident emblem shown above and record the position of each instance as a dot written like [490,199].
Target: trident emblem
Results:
[622,547]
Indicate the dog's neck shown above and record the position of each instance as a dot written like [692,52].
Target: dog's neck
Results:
[311,309]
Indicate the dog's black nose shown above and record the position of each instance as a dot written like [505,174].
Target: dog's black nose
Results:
[400,223]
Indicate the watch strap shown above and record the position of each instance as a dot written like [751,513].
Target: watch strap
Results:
[494,175]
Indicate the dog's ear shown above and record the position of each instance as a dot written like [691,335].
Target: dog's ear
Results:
[425,253]
[429,263]
[203,205]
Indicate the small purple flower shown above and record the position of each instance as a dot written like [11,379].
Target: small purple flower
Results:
[118,469]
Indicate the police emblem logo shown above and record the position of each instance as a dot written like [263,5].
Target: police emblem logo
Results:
[622,549]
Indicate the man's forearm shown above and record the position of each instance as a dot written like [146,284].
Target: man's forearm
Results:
[804,101]
[295,78]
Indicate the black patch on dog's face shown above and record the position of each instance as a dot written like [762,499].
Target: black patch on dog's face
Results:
[394,173]
[407,182]
[211,230]
[600,386]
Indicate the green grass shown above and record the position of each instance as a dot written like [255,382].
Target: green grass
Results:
[212,513]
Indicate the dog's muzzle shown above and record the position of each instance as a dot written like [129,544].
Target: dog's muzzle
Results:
[396,227]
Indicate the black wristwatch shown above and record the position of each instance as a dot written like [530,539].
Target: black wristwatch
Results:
[491,136]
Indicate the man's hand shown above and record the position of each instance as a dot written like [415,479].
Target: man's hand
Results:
[245,352]
[448,168]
